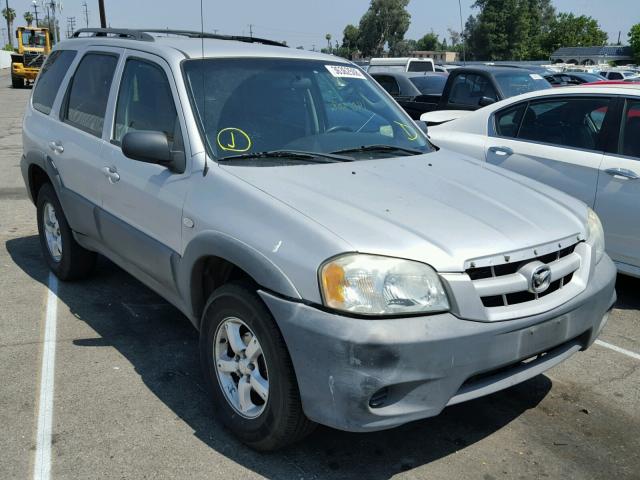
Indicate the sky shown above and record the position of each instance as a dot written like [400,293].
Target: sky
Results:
[306,22]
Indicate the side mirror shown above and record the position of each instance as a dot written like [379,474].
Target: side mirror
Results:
[152,147]
[484,101]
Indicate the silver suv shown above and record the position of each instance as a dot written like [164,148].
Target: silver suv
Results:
[340,270]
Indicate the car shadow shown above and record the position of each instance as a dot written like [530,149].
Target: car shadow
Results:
[161,345]
[627,289]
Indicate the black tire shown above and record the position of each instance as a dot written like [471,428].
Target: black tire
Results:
[75,261]
[17,82]
[282,421]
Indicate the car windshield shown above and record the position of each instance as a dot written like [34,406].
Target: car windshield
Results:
[31,38]
[253,106]
[517,83]
[430,84]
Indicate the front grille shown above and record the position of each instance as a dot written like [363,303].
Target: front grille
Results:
[33,60]
[512,294]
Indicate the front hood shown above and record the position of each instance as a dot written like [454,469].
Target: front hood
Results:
[441,208]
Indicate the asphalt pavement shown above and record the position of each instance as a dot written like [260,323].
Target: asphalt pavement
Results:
[129,403]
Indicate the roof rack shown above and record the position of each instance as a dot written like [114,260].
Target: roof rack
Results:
[113,33]
[215,36]
[143,35]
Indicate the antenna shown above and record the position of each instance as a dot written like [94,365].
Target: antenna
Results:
[204,97]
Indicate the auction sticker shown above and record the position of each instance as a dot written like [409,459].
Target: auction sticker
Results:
[341,71]
[535,76]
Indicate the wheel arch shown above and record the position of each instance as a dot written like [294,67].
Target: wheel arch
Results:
[37,177]
[214,258]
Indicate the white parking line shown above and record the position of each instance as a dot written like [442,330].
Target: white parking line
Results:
[42,465]
[629,353]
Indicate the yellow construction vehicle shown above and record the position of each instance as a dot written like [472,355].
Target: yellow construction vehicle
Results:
[33,47]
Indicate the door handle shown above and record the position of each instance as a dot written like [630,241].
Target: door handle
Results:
[623,172]
[56,147]
[501,151]
[111,173]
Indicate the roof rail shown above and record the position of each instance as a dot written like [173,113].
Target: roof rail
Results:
[215,36]
[143,34]
[113,32]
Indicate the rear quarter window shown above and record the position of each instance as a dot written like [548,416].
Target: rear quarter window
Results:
[50,78]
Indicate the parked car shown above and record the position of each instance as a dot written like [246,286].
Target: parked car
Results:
[470,88]
[582,140]
[401,64]
[572,78]
[618,74]
[340,270]
[415,92]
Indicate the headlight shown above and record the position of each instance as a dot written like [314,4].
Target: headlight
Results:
[595,234]
[376,285]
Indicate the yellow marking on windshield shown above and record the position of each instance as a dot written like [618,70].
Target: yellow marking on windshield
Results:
[409,131]
[233,139]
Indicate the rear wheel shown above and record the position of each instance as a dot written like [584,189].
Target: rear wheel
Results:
[65,257]
[17,82]
[248,370]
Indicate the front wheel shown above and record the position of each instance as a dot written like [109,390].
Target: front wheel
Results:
[248,370]
[17,82]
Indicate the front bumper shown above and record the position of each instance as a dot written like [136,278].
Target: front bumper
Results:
[19,70]
[414,367]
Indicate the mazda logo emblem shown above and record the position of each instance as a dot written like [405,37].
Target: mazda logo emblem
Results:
[540,279]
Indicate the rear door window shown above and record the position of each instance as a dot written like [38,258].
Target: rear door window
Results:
[572,122]
[88,93]
[50,78]
[630,137]
[508,121]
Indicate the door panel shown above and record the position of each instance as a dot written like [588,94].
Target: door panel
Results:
[618,196]
[572,171]
[558,141]
[143,201]
[74,141]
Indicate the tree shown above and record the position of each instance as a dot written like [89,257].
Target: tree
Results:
[385,22]
[454,36]
[567,30]
[349,46]
[429,42]
[634,41]
[328,38]
[10,15]
[28,17]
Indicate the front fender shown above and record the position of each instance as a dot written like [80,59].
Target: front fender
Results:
[217,244]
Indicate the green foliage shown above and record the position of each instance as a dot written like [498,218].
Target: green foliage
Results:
[28,17]
[526,30]
[384,23]
[568,30]
[9,14]
[429,42]
[634,41]
[8,47]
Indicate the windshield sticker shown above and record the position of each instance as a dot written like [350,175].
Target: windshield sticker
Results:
[535,76]
[408,131]
[233,139]
[341,71]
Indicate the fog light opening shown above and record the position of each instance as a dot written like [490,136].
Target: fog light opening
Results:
[379,398]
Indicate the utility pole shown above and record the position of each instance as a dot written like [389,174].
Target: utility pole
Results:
[464,53]
[35,11]
[251,30]
[71,26]
[56,31]
[86,14]
[619,32]
[103,17]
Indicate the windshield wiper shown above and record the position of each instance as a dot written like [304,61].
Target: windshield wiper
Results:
[380,148]
[313,157]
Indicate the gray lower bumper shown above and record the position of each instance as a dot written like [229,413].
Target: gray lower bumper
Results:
[427,363]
